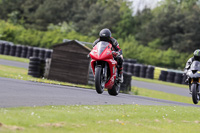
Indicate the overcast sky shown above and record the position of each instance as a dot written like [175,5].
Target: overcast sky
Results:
[140,4]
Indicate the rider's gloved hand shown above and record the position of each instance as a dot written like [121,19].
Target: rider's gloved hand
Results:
[115,54]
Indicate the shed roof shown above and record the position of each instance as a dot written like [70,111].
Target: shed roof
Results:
[72,41]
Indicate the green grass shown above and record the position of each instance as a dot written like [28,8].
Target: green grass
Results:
[159,82]
[161,95]
[22,74]
[12,58]
[102,119]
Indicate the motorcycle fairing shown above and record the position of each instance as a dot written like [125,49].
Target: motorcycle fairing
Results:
[194,71]
[102,53]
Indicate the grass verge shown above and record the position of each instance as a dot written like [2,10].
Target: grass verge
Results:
[104,118]
[161,95]
[12,58]
[21,74]
[159,82]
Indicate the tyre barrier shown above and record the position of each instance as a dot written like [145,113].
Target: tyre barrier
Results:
[130,68]
[18,51]
[36,52]
[7,49]
[178,78]
[132,61]
[163,75]
[48,53]
[24,51]
[171,76]
[12,50]
[126,85]
[29,52]
[42,53]
[150,72]
[2,46]
[143,70]
[125,67]
[136,70]
[36,67]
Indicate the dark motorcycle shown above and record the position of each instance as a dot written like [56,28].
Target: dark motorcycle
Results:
[194,81]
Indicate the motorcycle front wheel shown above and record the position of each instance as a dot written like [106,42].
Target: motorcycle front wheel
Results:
[195,95]
[99,81]
[115,89]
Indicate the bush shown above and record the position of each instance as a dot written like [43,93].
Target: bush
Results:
[151,56]
[46,39]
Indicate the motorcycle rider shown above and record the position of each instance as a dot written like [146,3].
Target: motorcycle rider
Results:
[105,35]
[196,57]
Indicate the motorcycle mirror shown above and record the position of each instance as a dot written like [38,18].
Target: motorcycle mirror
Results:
[88,56]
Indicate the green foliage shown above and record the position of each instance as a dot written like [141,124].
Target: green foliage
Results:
[148,55]
[31,37]
[176,24]
[123,27]
[88,16]
[155,44]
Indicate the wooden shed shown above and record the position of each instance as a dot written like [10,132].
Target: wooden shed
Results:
[70,63]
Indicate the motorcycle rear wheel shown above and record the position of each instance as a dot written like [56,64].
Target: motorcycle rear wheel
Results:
[99,83]
[195,95]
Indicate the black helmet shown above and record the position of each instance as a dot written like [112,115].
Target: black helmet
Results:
[105,33]
[197,54]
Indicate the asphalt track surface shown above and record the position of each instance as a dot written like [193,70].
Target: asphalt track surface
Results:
[15,93]
[161,87]
[13,63]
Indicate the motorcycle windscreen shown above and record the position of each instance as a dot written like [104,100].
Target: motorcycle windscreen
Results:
[195,65]
[101,46]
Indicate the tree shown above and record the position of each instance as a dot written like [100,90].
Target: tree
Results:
[177,28]
[125,25]
[9,6]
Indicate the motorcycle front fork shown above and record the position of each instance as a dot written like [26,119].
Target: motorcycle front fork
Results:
[105,71]
[198,85]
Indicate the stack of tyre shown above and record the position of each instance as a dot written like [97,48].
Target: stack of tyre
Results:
[8,48]
[129,66]
[136,71]
[172,76]
[163,75]
[5,47]
[178,78]
[150,72]
[36,67]
[126,85]
[139,70]
[143,71]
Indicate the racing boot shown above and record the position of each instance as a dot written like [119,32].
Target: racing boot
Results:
[121,78]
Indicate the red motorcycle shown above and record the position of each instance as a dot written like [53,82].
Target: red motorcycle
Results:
[105,68]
